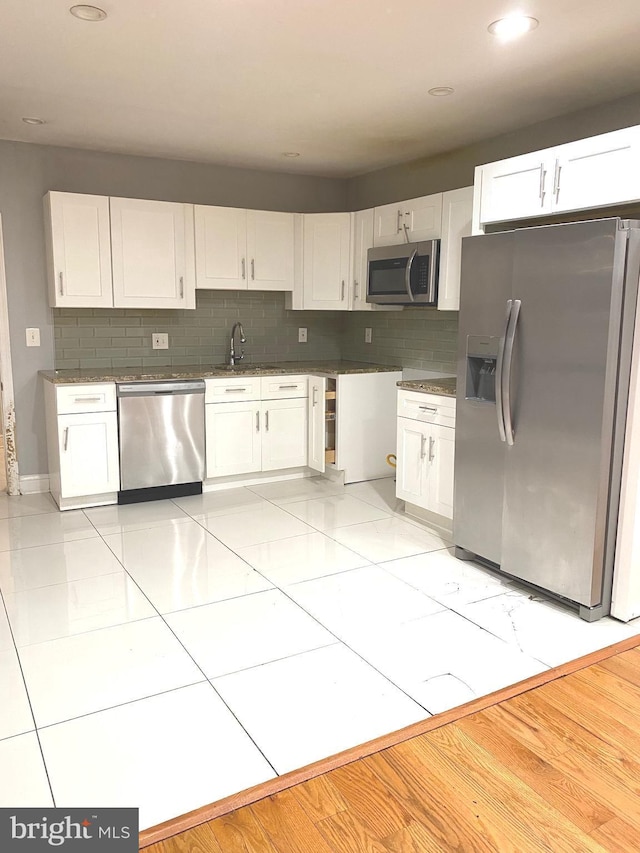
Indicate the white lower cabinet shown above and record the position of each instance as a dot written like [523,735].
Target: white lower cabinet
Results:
[266,433]
[425,453]
[82,440]
[233,438]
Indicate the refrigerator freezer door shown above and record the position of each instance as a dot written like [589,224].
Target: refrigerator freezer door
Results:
[487,264]
[569,279]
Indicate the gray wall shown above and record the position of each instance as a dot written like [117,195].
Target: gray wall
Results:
[415,337]
[27,172]
[455,168]
[121,337]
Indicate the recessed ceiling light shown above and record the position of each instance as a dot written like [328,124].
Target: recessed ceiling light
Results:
[88,13]
[441,91]
[291,154]
[28,120]
[512,26]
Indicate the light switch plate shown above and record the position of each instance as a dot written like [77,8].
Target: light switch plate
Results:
[367,335]
[302,335]
[33,337]
[160,340]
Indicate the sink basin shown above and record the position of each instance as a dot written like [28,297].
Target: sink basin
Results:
[246,368]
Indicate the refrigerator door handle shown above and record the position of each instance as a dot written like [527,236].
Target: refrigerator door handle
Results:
[499,374]
[506,373]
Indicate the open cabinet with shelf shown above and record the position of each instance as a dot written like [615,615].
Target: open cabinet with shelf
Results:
[330,422]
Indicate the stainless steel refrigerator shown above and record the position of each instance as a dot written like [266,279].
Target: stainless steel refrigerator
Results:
[545,338]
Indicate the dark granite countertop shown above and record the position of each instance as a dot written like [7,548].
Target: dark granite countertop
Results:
[283,368]
[446,387]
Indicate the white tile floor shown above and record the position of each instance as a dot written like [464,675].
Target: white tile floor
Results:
[168,654]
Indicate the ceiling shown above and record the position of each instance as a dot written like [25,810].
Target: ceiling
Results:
[343,82]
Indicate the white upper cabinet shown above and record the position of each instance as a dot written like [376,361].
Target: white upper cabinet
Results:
[240,249]
[269,250]
[362,242]
[516,188]
[326,260]
[599,171]
[78,250]
[221,247]
[153,255]
[408,221]
[456,223]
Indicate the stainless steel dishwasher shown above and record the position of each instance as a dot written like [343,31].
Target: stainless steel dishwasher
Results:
[161,427]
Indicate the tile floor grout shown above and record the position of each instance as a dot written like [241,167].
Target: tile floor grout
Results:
[367,656]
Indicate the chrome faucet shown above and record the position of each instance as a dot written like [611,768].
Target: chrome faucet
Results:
[233,358]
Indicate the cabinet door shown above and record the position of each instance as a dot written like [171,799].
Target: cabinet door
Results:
[517,188]
[599,171]
[88,449]
[284,437]
[153,254]
[411,461]
[221,248]
[457,208]
[317,391]
[78,250]
[440,453]
[269,250]
[388,220]
[422,218]
[233,437]
[326,260]
[362,242]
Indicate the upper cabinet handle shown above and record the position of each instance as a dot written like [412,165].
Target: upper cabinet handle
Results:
[181,287]
[244,269]
[253,269]
[342,291]
[61,285]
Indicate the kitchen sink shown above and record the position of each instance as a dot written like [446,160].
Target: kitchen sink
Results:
[247,368]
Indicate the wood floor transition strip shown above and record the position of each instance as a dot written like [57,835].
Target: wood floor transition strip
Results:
[253,795]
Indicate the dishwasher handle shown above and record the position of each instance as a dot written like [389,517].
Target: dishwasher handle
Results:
[153,389]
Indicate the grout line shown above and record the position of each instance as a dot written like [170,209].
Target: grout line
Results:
[196,663]
[26,689]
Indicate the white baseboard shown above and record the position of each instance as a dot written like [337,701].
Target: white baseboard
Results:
[31,484]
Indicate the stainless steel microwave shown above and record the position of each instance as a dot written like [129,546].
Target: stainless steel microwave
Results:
[404,275]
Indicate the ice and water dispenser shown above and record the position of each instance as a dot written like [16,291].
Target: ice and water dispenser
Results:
[482,358]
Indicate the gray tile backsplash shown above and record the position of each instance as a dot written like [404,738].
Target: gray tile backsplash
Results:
[414,337]
[121,337]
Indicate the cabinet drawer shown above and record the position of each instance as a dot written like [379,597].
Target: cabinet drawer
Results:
[235,389]
[75,399]
[280,387]
[427,408]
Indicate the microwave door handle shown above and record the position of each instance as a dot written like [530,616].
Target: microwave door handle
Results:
[407,275]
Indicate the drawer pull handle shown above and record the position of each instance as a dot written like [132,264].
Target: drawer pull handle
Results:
[428,409]
[87,399]
[286,387]
[233,390]
[66,438]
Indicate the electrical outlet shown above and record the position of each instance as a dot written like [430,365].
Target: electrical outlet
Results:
[160,340]
[302,335]
[33,337]
[367,335]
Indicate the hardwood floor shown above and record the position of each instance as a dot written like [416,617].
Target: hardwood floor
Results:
[556,768]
